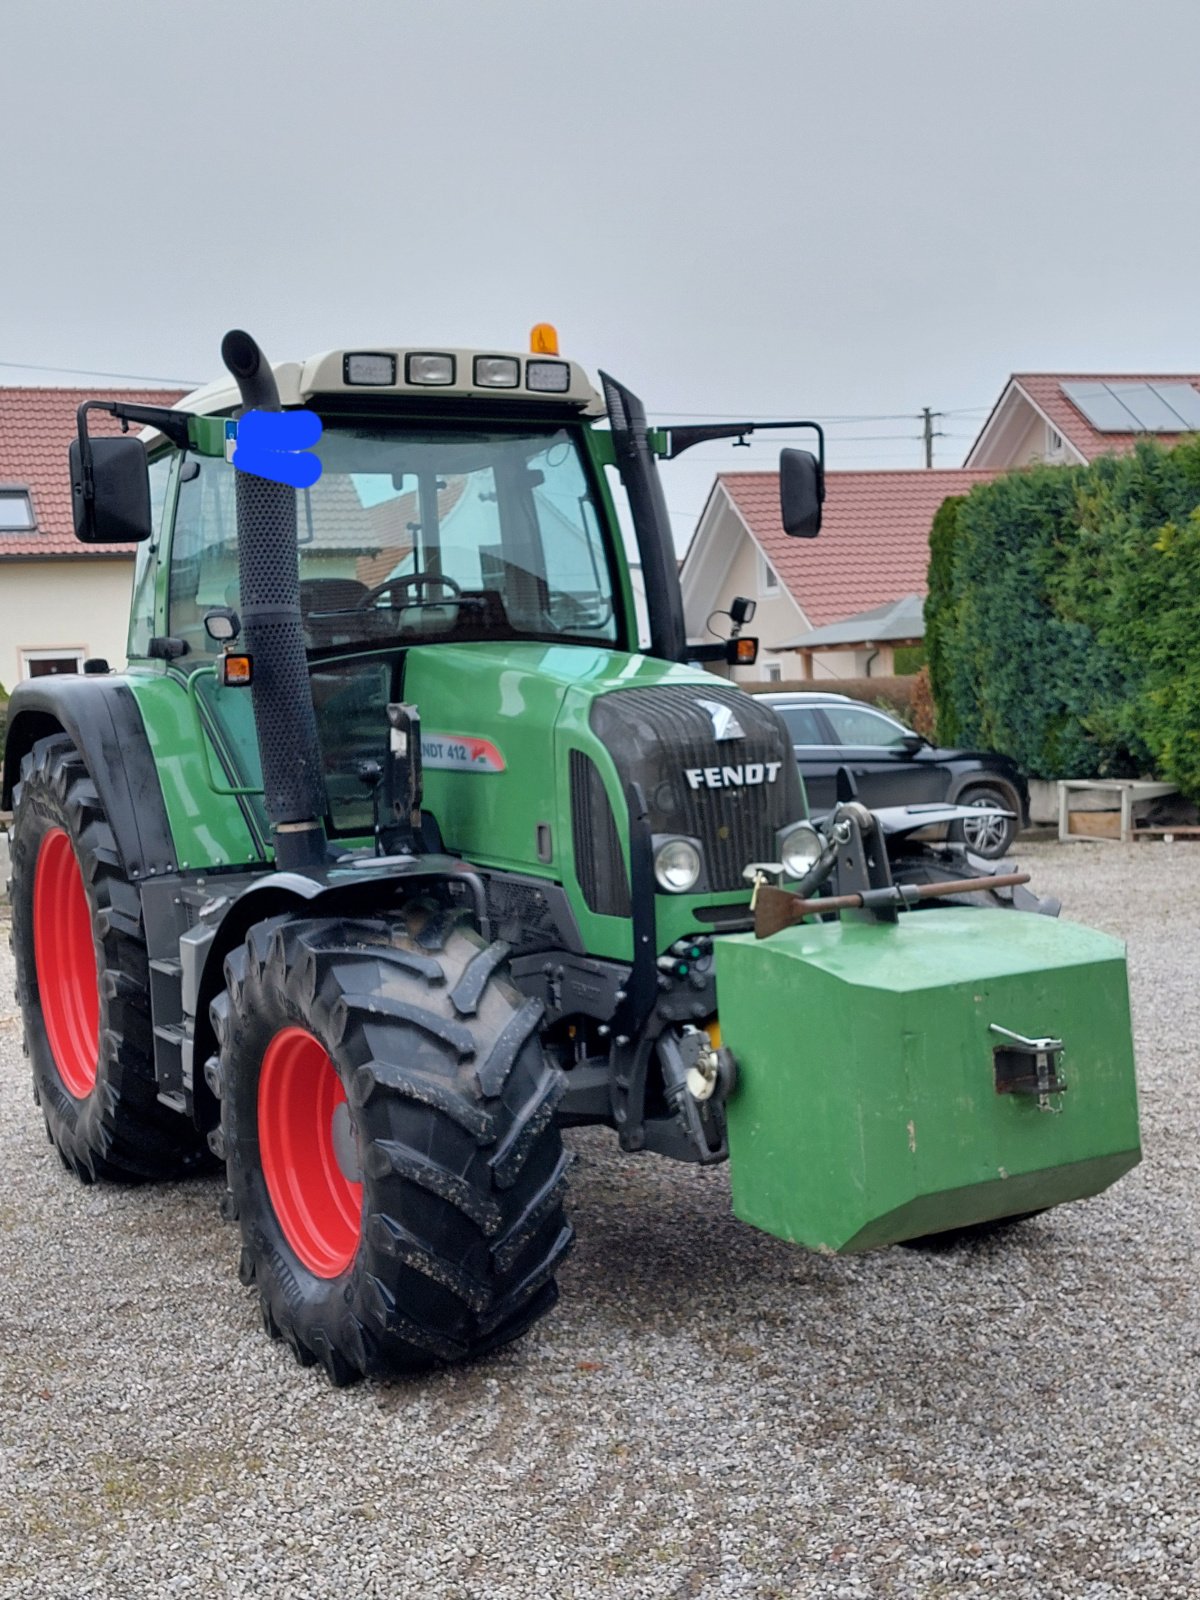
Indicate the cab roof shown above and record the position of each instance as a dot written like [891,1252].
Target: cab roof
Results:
[332,373]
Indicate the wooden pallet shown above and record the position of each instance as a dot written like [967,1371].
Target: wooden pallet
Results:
[1181,830]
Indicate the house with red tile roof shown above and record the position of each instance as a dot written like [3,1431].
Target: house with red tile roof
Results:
[61,602]
[838,607]
[873,549]
[1066,418]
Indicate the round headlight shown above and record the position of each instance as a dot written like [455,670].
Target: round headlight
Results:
[677,865]
[800,850]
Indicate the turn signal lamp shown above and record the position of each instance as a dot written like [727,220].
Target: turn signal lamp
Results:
[745,651]
[543,339]
[237,671]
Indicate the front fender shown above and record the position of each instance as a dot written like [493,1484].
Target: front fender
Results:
[227,917]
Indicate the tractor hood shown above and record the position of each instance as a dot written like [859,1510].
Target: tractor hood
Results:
[531,753]
[514,687]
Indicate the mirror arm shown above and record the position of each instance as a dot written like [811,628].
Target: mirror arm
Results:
[172,424]
[681,439]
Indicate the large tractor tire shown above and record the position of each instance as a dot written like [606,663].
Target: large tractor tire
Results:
[83,981]
[388,1126]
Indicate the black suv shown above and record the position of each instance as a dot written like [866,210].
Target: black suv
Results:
[892,766]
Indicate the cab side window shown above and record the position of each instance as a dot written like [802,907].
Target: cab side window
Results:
[141,611]
[204,562]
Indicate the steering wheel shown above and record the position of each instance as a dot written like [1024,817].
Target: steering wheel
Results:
[414,580]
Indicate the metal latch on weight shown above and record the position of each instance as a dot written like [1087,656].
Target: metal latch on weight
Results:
[1027,1066]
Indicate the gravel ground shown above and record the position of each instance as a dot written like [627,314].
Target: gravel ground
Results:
[708,1413]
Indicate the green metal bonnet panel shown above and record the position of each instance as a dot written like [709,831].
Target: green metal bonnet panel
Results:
[498,723]
[867,1110]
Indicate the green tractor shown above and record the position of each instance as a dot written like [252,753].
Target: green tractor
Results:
[391,855]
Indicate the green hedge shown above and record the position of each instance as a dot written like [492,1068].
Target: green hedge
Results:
[940,615]
[1063,615]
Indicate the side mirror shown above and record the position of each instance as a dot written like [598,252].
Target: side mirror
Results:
[110,492]
[801,492]
[912,742]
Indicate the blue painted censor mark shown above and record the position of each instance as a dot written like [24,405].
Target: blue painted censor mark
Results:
[277,445]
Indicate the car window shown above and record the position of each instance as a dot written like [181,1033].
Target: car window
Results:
[857,725]
[803,725]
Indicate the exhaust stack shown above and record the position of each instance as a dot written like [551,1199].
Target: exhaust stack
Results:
[269,573]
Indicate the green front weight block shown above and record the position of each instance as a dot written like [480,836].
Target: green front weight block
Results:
[878,1102]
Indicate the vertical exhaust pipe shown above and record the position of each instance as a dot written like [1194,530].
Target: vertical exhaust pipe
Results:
[269,573]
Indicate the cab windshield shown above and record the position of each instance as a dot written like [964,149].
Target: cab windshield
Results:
[412,535]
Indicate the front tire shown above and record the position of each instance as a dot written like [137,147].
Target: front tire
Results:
[387,1114]
[83,980]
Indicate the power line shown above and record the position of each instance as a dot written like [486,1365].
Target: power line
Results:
[826,422]
[87,372]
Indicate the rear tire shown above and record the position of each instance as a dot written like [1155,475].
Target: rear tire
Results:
[83,980]
[387,1116]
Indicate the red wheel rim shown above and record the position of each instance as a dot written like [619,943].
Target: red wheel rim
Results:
[317,1206]
[64,954]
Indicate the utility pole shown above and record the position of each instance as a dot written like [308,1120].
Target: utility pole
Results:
[927,417]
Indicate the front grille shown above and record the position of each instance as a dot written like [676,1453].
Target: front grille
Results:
[656,734]
[599,864]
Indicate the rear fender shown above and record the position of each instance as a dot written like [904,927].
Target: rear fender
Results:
[101,718]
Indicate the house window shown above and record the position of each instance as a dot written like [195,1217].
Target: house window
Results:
[47,663]
[16,511]
[768,579]
[1054,441]
[772,672]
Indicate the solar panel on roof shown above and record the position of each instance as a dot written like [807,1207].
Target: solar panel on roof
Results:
[1137,407]
[1182,398]
[1100,407]
[1150,406]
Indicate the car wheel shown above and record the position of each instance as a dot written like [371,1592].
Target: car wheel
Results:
[990,837]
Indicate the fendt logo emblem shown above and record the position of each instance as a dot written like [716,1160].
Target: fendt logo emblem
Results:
[724,721]
[739,777]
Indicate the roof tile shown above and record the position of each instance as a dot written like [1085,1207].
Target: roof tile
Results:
[874,541]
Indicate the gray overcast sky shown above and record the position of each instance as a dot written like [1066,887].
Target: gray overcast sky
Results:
[767,207]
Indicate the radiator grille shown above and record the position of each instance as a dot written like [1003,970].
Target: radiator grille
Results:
[655,735]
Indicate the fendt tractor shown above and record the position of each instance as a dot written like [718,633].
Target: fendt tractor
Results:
[391,855]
